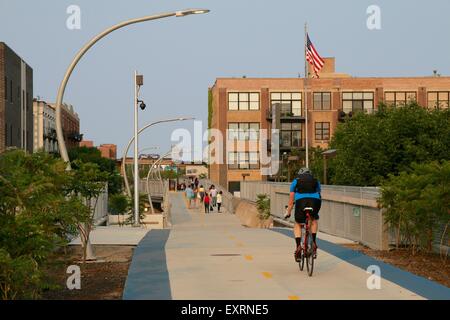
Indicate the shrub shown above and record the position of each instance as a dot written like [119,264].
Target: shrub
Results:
[263,206]
[417,203]
[119,204]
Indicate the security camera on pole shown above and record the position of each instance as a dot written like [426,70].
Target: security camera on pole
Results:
[138,83]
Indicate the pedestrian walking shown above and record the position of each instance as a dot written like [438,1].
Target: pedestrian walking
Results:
[189,196]
[206,201]
[219,200]
[202,191]
[214,196]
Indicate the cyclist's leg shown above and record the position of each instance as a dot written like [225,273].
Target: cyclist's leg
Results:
[316,205]
[300,219]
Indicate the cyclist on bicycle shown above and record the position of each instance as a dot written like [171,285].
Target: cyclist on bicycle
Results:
[305,191]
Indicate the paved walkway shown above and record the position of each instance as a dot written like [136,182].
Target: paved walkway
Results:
[115,235]
[205,257]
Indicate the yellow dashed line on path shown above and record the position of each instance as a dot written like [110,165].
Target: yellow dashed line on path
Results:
[267,275]
[293,298]
[249,258]
[239,244]
[232,237]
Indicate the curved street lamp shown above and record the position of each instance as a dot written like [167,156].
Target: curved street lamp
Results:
[73,64]
[82,52]
[124,157]
[154,165]
[140,152]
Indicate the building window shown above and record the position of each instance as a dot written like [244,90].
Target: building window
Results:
[10,91]
[243,160]
[358,101]
[322,130]
[399,98]
[291,135]
[322,100]
[234,186]
[290,103]
[243,131]
[243,101]
[438,100]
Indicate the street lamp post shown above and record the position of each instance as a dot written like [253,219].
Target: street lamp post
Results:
[138,82]
[62,88]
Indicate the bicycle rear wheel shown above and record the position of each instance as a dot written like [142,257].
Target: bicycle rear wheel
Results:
[310,258]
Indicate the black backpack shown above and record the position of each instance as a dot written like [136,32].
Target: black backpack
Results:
[306,183]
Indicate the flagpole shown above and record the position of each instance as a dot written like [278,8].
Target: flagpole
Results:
[306,98]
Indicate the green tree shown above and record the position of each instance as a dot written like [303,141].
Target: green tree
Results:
[37,215]
[370,147]
[93,155]
[87,183]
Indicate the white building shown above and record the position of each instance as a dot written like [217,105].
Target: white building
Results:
[44,128]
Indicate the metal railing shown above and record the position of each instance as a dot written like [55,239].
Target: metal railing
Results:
[154,187]
[347,212]
[101,207]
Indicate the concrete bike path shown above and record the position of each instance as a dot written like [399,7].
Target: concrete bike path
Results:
[209,257]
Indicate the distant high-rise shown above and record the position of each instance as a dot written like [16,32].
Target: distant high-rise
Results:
[16,101]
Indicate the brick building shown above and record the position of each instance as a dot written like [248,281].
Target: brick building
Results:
[44,129]
[70,123]
[108,151]
[87,144]
[241,107]
[16,106]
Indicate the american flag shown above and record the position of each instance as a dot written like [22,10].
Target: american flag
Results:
[313,57]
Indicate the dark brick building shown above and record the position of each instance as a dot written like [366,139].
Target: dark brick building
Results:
[16,101]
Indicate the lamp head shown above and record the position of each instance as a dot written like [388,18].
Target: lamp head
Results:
[185,119]
[187,12]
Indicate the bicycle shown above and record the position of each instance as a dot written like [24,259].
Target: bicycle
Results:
[307,248]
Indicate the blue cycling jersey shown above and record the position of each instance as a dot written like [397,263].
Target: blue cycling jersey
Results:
[299,196]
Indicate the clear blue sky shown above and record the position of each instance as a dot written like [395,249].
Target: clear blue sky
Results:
[181,57]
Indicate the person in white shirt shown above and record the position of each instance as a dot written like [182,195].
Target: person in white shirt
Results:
[219,200]
[213,193]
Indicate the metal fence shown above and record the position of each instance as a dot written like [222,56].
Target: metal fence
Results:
[347,212]
[155,187]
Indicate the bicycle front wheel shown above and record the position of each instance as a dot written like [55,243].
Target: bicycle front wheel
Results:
[301,263]
[310,260]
